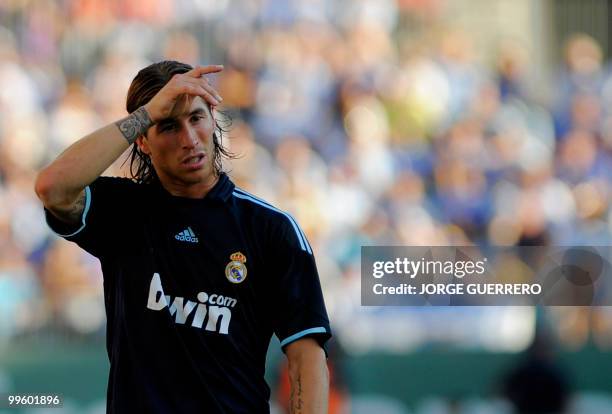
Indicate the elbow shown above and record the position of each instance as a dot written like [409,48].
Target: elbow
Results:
[43,186]
[46,188]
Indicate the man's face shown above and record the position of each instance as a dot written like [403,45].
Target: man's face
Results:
[181,148]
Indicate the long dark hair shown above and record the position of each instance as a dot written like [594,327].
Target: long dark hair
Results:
[144,87]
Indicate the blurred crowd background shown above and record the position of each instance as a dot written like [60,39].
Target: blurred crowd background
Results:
[375,122]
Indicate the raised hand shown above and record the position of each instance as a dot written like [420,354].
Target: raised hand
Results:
[177,94]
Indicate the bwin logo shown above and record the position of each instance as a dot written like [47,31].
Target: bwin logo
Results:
[218,308]
[187,236]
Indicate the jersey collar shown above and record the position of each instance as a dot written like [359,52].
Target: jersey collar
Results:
[221,191]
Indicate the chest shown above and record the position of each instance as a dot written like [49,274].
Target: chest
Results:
[200,249]
[200,268]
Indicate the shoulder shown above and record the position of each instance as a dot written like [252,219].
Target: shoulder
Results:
[108,192]
[263,209]
[115,185]
[119,182]
[276,222]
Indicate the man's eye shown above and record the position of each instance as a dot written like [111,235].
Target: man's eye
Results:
[196,118]
[166,128]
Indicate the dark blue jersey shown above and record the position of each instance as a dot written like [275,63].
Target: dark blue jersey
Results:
[194,290]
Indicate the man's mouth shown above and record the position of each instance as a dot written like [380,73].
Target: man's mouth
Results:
[194,161]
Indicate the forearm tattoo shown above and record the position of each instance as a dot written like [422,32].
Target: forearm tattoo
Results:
[296,397]
[135,124]
[76,210]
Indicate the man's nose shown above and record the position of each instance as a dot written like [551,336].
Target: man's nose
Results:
[189,138]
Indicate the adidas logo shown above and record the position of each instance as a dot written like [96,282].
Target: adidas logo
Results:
[187,236]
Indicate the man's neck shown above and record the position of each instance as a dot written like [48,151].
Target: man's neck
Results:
[188,190]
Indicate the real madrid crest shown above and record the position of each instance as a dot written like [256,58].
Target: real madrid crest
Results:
[236,271]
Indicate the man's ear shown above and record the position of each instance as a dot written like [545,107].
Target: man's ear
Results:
[143,144]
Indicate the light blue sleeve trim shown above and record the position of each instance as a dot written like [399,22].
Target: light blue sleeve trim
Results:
[83,217]
[298,335]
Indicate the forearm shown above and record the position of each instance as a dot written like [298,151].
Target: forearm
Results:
[61,182]
[309,383]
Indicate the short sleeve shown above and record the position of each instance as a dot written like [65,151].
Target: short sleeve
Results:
[108,201]
[302,312]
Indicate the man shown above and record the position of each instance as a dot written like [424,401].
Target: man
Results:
[198,274]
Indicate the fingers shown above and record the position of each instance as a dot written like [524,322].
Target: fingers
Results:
[198,71]
[194,83]
[197,90]
[190,84]
[201,87]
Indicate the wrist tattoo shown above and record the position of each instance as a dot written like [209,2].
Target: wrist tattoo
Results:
[135,124]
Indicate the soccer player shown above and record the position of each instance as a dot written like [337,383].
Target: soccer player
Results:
[198,274]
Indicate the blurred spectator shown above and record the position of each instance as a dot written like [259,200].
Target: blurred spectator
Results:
[579,85]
